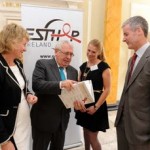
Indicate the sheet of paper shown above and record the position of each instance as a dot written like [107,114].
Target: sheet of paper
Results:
[81,91]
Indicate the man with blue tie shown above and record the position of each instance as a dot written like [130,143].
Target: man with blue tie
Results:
[49,116]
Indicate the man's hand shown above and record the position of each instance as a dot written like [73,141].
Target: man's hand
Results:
[79,105]
[67,84]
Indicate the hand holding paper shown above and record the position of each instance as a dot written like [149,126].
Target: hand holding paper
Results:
[79,105]
[67,84]
[82,91]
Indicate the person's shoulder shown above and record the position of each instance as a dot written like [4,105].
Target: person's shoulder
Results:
[71,67]
[83,64]
[44,61]
[104,64]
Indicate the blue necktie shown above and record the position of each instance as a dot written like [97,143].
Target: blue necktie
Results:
[61,71]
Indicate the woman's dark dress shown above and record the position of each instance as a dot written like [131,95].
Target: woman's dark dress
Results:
[99,120]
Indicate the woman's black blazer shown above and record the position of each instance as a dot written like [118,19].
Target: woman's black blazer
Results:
[10,96]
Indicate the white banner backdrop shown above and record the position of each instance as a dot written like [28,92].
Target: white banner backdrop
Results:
[46,26]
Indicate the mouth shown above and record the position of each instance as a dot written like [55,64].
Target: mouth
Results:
[66,61]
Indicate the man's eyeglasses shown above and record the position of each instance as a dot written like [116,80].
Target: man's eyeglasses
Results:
[67,53]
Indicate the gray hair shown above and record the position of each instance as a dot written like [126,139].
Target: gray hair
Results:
[137,21]
[60,43]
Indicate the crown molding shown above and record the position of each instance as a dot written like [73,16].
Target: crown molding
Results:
[53,3]
[75,1]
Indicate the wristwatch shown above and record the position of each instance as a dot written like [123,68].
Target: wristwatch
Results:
[95,107]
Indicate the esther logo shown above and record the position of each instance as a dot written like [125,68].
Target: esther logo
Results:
[54,30]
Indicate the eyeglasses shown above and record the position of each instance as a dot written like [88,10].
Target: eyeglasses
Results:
[67,53]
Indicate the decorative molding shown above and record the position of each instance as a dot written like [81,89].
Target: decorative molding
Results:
[8,14]
[10,4]
[72,5]
[10,10]
[17,3]
[75,1]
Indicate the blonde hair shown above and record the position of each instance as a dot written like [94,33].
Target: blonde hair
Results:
[11,34]
[96,43]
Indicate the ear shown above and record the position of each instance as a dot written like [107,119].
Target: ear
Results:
[139,31]
[55,50]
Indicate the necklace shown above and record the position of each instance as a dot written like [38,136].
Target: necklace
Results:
[85,73]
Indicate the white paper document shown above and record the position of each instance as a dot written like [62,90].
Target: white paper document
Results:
[81,91]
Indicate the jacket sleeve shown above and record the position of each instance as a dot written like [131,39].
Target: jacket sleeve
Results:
[43,79]
[3,131]
[4,135]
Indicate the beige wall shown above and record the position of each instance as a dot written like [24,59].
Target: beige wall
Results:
[96,30]
[125,53]
[93,21]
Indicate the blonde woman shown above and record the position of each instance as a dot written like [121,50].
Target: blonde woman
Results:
[94,117]
[15,125]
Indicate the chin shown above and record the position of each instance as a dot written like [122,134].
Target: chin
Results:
[65,65]
[20,57]
[129,47]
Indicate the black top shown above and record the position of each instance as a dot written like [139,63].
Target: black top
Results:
[99,120]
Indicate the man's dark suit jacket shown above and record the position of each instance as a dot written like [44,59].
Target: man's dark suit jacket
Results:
[49,112]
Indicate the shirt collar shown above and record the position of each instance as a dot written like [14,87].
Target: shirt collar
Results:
[142,50]
[59,65]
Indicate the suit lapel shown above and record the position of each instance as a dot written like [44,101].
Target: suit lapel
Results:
[8,70]
[69,75]
[139,67]
[54,69]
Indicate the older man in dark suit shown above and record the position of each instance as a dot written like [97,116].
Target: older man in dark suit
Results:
[49,116]
[133,117]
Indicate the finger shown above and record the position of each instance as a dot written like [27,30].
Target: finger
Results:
[73,82]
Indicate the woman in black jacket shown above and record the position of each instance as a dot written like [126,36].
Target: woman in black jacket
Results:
[15,126]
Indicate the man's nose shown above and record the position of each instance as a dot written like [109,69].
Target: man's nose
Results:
[124,39]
